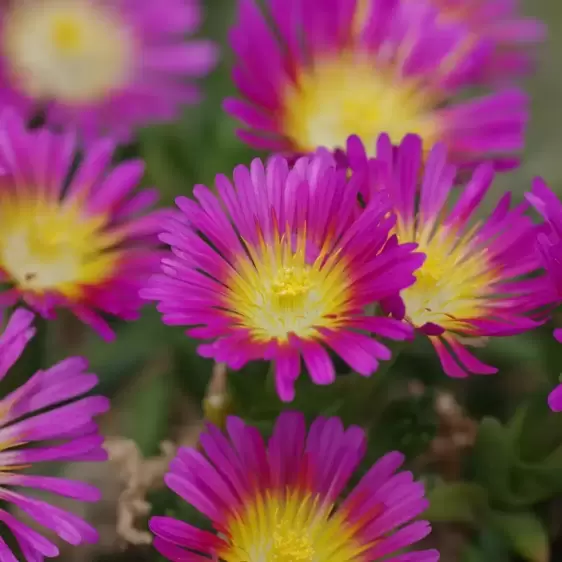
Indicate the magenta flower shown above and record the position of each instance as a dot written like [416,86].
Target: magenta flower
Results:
[69,433]
[283,501]
[397,73]
[102,68]
[480,278]
[512,36]
[549,244]
[281,265]
[79,239]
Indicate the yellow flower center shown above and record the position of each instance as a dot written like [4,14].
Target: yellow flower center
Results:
[67,34]
[274,292]
[350,95]
[290,526]
[452,284]
[291,287]
[290,545]
[46,246]
[74,51]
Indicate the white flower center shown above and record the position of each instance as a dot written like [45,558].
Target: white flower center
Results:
[73,51]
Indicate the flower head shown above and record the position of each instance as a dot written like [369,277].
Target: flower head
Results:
[70,239]
[69,433]
[480,278]
[498,21]
[399,73]
[282,265]
[101,67]
[281,502]
[549,244]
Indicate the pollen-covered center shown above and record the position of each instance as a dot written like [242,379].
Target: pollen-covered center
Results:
[45,246]
[336,98]
[290,544]
[275,290]
[291,288]
[290,526]
[74,51]
[452,283]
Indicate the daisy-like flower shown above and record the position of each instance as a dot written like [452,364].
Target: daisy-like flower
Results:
[282,265]
[549,244]
[101,67]
[282,502]
[480,278]
[68,433]
[511,35]
[78,239]
[400,73]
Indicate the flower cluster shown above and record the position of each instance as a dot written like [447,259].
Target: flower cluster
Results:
[288,273]
[363,227]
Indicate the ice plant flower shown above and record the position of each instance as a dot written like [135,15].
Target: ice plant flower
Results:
[549,244]
[79,240]
[480,278]
[103,68]
[282,265]
[499,21]
[68,433]
[325,81]
[281,502]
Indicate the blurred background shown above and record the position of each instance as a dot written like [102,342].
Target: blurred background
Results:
[489,450]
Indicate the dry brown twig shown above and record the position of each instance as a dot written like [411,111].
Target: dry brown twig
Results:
[456,433]
[140,476]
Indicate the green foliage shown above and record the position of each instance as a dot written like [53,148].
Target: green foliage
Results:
[520,463]
[524,532]
[457,502]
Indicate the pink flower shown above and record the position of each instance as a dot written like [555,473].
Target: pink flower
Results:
[480,278]
[73,239]
[283,501]
[69,433]
[549,244]
[280,266]
[339,69]
[101,68]
[513,38]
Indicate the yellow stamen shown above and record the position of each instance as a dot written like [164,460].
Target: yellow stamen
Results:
[74,51]
[290,545]
[274,292]
[67,35]
[291,526]
[46,246]
[452,283]
[351,95]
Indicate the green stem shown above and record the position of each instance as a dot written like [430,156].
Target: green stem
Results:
[269,387]
[367,394]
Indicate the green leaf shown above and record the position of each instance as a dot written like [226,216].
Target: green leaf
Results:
[407,424]
[457,502]
[492,460]
[488,546]
[541,432]
[147,408]
[525,533]
[511,482]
